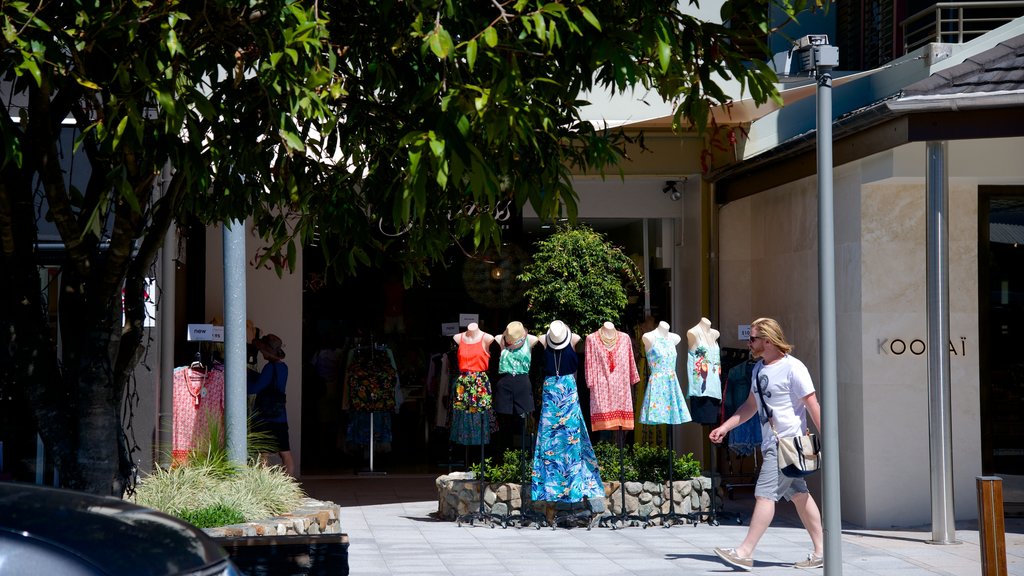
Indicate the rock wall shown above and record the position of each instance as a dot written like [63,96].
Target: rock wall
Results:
[459,494]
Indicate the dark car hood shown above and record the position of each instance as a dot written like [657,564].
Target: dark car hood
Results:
[120,536]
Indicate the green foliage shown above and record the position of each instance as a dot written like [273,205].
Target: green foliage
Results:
[391,130]
[644,463]
[255,491]
[576,276]
[511,469]
[213,516]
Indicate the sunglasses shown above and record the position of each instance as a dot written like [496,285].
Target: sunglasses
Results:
[752,338]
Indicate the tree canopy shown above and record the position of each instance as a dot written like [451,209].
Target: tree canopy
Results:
[391,129]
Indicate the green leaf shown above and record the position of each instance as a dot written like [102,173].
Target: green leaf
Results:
[589,17]
[471,53]
[291,139]
[491,36]
[664,55]
[119,132]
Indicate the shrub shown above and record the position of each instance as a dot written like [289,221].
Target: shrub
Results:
[579,277]
[511,470]
[644,462]
[212,516]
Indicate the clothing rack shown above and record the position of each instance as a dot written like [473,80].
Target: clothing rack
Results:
[372,348]
[737,357]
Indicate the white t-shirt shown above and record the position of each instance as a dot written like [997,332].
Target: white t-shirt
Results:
[784,385]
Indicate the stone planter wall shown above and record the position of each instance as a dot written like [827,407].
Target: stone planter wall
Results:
[305,542]
[459,494]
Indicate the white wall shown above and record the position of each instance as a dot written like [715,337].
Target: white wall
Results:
[274,305]
[768,253]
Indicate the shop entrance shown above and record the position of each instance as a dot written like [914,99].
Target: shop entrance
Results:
[348,326]
[1001,282]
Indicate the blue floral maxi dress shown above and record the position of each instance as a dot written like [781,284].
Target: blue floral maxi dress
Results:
[564,464]
[664,402]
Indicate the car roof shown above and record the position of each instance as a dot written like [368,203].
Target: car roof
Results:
[115,536]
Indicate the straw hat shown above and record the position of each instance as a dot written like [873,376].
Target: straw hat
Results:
[514,333]
[271,346]
[559,335]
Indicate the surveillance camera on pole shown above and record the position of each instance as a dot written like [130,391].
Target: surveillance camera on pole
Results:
[814,54]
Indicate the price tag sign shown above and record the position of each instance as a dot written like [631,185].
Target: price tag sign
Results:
[449,328]
[200,332]
[467,319]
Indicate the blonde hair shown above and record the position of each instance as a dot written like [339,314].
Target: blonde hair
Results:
[770,329]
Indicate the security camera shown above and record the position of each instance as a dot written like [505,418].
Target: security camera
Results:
[811,40]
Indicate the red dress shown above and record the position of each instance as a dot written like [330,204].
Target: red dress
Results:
[610,373]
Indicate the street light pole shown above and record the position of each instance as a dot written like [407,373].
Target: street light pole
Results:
[817,55]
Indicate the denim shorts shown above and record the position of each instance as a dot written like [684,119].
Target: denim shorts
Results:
[773,485]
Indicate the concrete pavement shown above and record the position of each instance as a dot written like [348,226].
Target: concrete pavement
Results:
[392,531]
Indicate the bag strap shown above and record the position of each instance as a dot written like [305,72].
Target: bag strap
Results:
[764,405]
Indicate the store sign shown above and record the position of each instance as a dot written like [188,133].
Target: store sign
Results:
[916,347]
[502,212]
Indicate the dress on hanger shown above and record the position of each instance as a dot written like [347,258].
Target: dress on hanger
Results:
[198,405]
[471,395]
[663,402]
[564,463]
[611,371]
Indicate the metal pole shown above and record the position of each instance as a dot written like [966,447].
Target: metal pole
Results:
[831,509]
[165,408]
[939,413]
[647,271]
[234,342]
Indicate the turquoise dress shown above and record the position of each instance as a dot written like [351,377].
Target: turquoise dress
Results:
[564,464]
[663,402]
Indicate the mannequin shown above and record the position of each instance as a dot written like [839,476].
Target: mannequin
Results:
[705,372]
[564,464]
[471,402]
[556,334]
[662,330]
[513,392]
[611,371]
[663,401]
[611,374]
[471,392]
[472,335]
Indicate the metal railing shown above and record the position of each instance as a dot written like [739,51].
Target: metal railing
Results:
[957,22]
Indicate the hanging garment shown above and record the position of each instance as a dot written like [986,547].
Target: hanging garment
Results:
[372,381]
[704,366]
[564,464]
[358,430]
[663,402]
[198,405]
[746,438]
[611,370]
